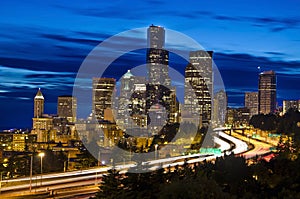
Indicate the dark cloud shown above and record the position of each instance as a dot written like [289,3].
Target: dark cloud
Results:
[240,74]
[274,24]
[276,53]
[225,18]
[92,42]
[111,10]
[92,34]
[278,29]
[38,65]
[155,2]
[49,75]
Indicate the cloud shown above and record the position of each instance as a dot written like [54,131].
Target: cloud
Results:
[225,18]
[17,78]
[92,34]
[278,29]
[111,10]
[240,74]
[30,63]
[274,24]
[62,38]
[276,53]
[4,91]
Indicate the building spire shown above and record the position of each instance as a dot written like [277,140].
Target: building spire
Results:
[39,95]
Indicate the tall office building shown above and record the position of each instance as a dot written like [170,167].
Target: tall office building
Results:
[198,85]
[157,57]
[41,124]
[131,100]
[103,92]
[290,104]
[251,102]
[220,106]
[67,107]
[159,90]
[238,116]
[138,111]
[267,92]
[156,37]
[165,96]
[38,104]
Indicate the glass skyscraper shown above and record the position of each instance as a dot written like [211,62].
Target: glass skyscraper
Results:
[198,85]
[267,92]
[157,57]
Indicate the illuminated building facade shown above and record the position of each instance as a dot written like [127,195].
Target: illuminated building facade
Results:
[16,140]
[251,102]
[157,57]
[219,110]
[267,92]
[42,125]
[237,117]
[67,108]
[103,91]
[290,104]
[132,101]
[38,104]
[198,85]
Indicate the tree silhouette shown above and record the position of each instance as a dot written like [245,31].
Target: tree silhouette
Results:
[110,187]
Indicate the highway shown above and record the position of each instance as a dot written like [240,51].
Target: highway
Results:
[240,146]
[260,148]
[224,146]
[92,176]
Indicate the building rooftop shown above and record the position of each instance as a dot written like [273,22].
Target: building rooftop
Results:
[39,95]
[270,72]
[127,75]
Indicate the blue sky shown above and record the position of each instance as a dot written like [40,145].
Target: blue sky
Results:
[43,43]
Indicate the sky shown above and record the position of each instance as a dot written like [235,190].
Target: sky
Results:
[43,44]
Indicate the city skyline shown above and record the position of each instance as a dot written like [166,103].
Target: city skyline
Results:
[44,52]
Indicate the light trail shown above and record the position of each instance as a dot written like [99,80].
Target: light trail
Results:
[85,176]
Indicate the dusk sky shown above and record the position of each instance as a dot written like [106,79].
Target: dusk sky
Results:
[43,43]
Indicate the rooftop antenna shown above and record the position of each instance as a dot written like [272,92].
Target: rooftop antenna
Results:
[258,68]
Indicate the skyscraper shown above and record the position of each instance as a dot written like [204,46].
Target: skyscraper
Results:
[198,85]
[251,102]
[267,92]
[290,104]
[156,37]
[38,104]
[103,91]
[132,100]
[159,90]
[157,57]
[41,124]
[67,107]
[220,106]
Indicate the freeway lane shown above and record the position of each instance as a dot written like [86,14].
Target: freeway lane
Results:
[240,146]
[260,148]
[86,177]
[64,190]
[224,146]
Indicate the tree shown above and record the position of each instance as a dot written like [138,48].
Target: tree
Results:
[85,159]
[267,122]
[110,187]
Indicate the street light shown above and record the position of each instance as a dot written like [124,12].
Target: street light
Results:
[248,138]
[99,156]
[156,151]
[1,181]
[30,186]
[41,155]
[98,164]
